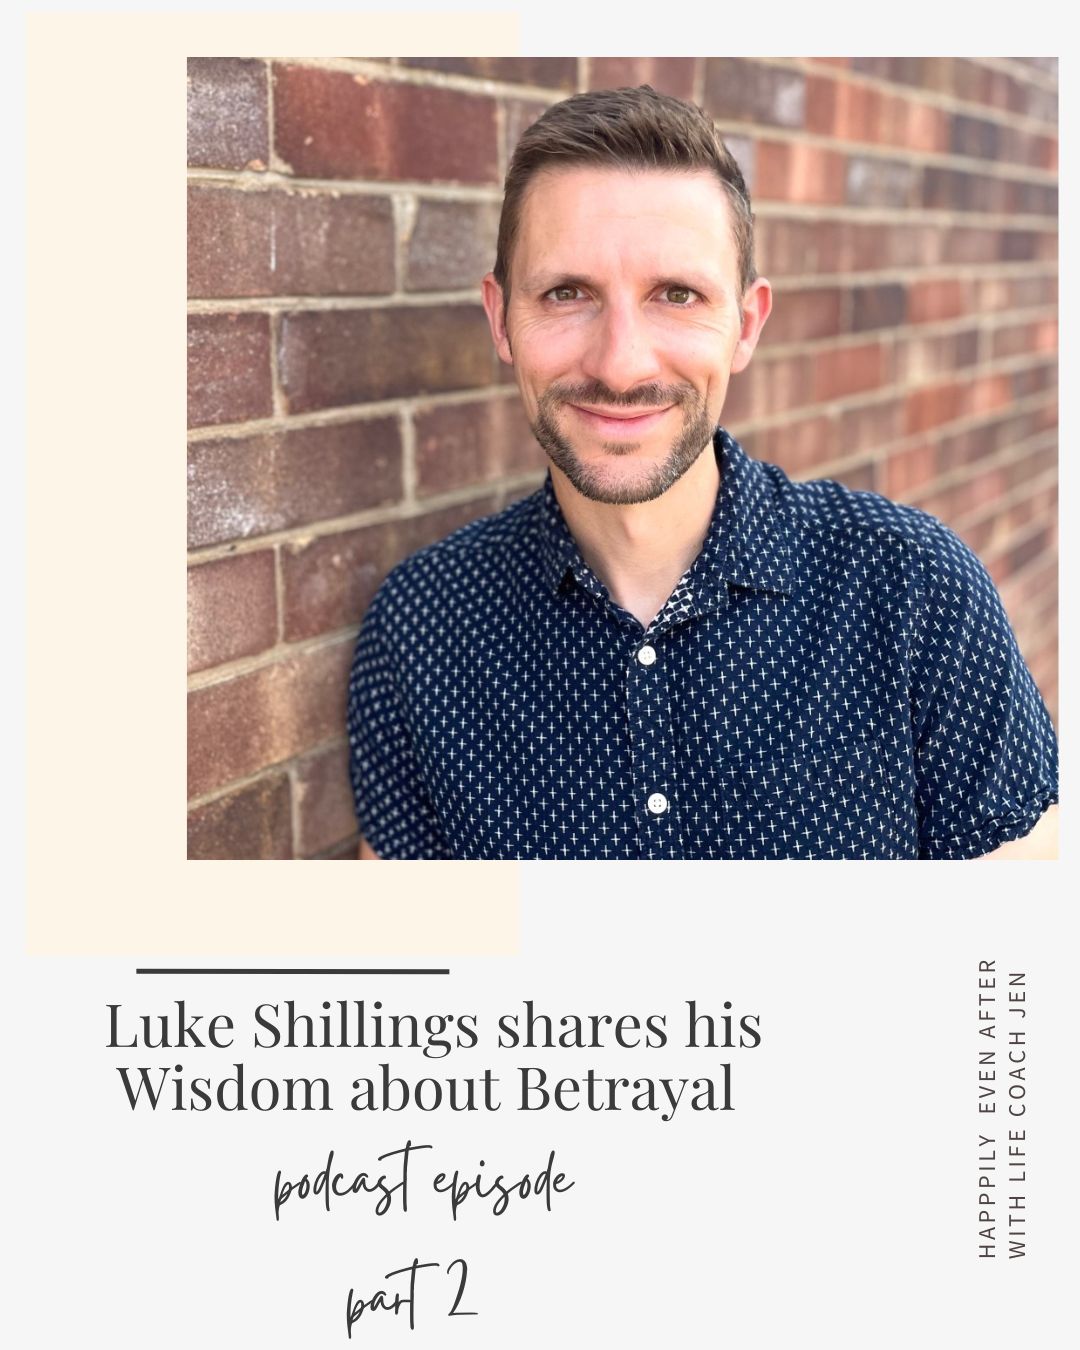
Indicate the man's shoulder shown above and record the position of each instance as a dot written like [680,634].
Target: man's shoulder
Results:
[822,505]
[474,549]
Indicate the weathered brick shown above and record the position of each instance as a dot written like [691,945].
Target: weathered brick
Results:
[667,74]
[801,316]
[239,726]
[518,114]
[288,243]
[228,368]
[463,443]
[254,822]
[324,800]
[879,182]
[330,124]
[227,113]
[547,72]
[947,189]
[942,298]
[972,245]
[232,609]
[452,245]
[924,359]
[333,357]
[794,172]
[329,582]
[974,136]
[743,149]
[878,307]
[848,370]
[738,90]
[252,485]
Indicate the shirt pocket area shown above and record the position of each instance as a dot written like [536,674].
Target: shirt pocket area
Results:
[834,800]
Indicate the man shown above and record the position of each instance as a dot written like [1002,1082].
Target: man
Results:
[670,650]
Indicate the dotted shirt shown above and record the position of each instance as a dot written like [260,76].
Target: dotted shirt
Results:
[833,677]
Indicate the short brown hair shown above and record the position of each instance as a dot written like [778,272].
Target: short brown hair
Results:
[623,128]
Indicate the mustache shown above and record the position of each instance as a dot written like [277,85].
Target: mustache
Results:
[654,395]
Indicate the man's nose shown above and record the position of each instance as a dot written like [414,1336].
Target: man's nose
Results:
[620,353]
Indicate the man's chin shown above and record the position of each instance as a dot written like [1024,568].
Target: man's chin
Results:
[618,483]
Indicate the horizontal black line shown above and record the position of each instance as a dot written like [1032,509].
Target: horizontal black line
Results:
[277,970]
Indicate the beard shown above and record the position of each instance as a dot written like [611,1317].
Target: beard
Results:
[655,476]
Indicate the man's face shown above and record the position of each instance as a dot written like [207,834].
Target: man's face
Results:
[624,323]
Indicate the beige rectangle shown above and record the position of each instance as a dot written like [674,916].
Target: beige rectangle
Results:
[105,416]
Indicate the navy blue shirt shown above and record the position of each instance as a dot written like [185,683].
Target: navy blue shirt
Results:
[833,677]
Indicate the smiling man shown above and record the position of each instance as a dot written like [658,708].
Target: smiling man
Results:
[671,650]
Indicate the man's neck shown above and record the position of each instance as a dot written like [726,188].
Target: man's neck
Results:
[639,552]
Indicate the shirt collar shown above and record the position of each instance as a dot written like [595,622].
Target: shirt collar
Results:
[748,543]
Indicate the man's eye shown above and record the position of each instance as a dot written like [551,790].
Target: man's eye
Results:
[564,293]
[679,295]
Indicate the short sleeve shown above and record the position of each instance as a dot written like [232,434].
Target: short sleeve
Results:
[393,807]
[985,748]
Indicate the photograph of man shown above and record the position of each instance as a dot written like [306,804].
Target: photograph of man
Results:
[672,650]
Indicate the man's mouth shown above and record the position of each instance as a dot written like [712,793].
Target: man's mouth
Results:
[620,421]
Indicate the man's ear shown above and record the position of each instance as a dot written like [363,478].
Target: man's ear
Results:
[756,306]
[495,309]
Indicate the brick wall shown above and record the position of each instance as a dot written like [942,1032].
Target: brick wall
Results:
[346,407]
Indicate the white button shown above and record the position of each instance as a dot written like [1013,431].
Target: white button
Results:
[646,655]
[657,803]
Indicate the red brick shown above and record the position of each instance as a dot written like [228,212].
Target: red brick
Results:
[1027,337]
[333,357]
[803,247]
[255,822]
[252,485]
[239,726]
[871,426]
[739,90]
[795,172]
[989,392]
[767,387]
[324,800]
[668,74]
[329,582]
[464,443]
[942,298]
[330,124]
[452,245]
[879,182]
[798,447]
[227,113]
[228,368]
[861,477]
[232,609]
[934,406]
[848,371]
[547,72]
[910,468]
[800,316]
[288,243]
